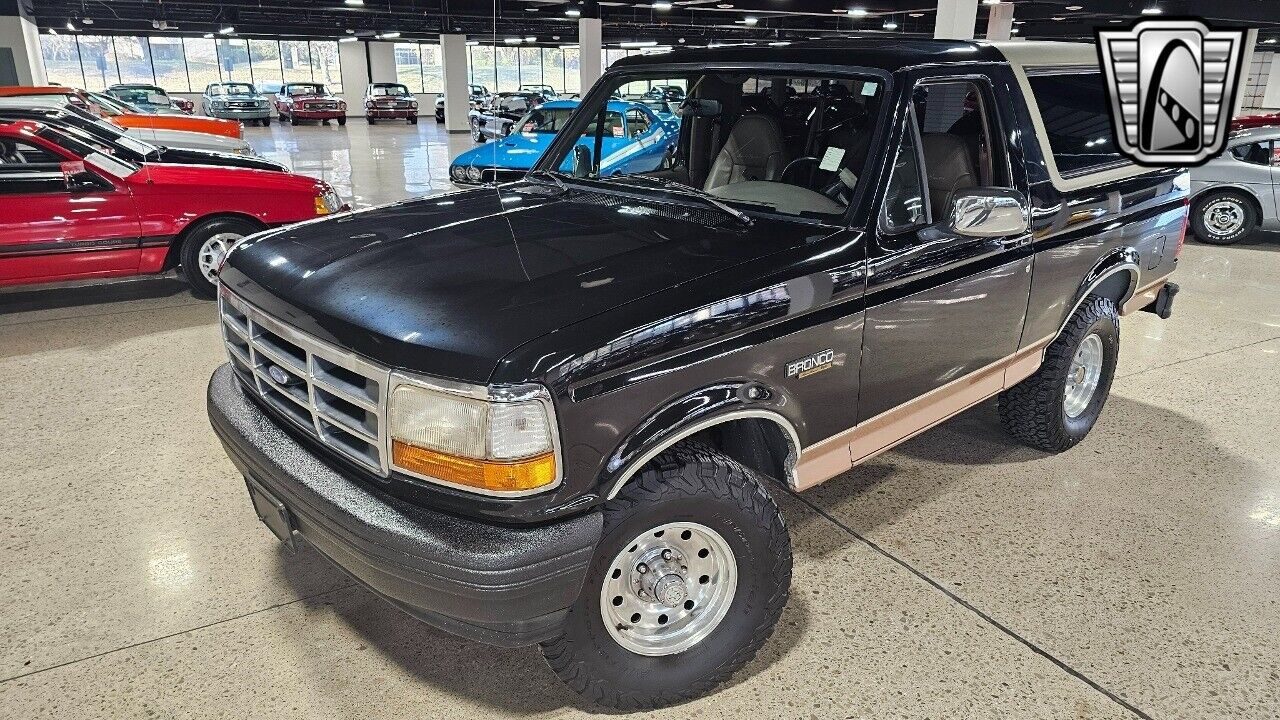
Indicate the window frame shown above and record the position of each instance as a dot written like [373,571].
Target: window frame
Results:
[911,124]
[1079,176]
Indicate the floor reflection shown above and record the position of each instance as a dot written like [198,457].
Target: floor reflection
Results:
[366,165]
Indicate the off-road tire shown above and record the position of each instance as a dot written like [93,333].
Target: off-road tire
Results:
[194,239]
[266,122]
[690,482]
[293,120]
[413,120]
[370,120]
[1204,233]
[342,121]
[1033,412]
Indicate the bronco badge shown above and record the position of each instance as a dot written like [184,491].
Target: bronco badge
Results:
[810,364]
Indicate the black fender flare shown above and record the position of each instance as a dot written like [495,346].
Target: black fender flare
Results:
[1121,259]
[694,412]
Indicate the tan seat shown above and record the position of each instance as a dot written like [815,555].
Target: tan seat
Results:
[753,151]
[950,167]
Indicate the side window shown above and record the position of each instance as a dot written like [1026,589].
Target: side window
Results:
[637,123]
[26,169]
[17,152]
[1258,153]
[905,204]
[1077,120]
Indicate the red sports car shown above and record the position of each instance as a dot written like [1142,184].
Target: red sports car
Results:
[309,101]
[71,212]
[1253,121]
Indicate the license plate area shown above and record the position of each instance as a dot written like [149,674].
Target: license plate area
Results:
[273,514]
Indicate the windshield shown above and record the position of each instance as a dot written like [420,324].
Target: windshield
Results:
[793,145]
[82,149]
[544,120]
[379,90]
[145,96]
[232,89]
[113,106]
[295,90]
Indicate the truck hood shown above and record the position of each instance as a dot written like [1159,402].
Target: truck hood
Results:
[449,285]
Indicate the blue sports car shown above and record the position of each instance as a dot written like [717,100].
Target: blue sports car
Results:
[635,140]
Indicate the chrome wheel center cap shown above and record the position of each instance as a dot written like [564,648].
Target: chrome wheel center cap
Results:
[670,591]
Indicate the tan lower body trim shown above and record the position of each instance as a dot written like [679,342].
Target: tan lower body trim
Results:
[838,453]
[1144,295]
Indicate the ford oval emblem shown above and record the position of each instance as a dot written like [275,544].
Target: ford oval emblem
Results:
[280,376]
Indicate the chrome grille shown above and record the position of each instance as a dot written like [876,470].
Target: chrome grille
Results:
[320,106]
[327,392]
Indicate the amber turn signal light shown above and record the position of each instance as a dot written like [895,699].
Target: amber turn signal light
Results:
[528,474]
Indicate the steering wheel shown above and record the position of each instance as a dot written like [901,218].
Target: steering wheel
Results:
[800,171]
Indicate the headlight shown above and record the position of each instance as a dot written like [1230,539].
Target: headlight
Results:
[457,172]
[499,444]
[342,105]
[219,103]
[328,202]
[413,103]
[473,173]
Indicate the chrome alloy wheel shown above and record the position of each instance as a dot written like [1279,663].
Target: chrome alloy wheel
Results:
[668,589]
[213,251]
[1082,380]
[1224,217]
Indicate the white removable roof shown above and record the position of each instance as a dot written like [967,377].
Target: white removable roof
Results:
[1024,56]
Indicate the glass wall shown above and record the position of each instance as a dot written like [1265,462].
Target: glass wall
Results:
[418,67]
[507,68]
[177,64]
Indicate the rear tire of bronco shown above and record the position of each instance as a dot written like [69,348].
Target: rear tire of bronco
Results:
[687,583]
[1057,406]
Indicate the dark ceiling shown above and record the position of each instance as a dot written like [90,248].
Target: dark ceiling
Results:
[697,21]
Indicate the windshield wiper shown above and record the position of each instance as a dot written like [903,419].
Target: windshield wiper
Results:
[691,191]
[554,177]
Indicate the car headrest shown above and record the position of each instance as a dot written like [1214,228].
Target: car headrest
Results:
[699,107]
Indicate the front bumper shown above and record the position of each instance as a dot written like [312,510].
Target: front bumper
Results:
[401,113]
[241,113]
[316,114]
[507,586]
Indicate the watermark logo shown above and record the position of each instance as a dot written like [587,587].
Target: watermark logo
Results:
[1172,85]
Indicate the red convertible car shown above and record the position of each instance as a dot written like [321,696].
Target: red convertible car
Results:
[72,212]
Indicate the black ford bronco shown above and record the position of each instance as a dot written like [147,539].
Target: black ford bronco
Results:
[559,410]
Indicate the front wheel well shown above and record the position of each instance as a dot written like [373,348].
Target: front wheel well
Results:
[173,258]
[758,443]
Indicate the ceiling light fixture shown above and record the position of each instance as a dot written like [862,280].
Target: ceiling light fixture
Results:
[350,31]
[1152,10]
[1014,31]
[511,41]
[890,25]
[71,26]
[86,21]
[573,12]
[857,12]
[348,39]
[569,47]
[638,43]
[353,3]
[1269,41]
[990,2]
[1057,19]
[472,43]
[389,35]
[779,43]
[662,5]
[1073,8]
[916,14]
[530,38]
[208,36]
[725,6]
[226,30]
[748,20]
[531,9]
[52,31]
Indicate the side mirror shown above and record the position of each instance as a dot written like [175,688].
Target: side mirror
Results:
[79,178]
[581,161]
[987,212]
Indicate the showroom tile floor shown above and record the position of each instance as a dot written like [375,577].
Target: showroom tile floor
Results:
[959,576]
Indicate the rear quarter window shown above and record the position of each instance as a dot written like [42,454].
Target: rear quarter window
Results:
[1077,120]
